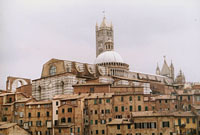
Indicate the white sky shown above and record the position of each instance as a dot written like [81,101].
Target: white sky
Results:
[34,31]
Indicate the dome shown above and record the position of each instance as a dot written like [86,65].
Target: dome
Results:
[108,56]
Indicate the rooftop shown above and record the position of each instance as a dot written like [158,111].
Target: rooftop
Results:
[39,102]
[5,125]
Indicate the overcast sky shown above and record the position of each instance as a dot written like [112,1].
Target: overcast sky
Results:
[34,31]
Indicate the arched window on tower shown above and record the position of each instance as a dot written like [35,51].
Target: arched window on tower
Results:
[52,70]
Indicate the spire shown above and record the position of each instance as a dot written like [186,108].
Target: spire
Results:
[97,27]
[103,24]
[158,70]
[164,59]
[165,69]
[180,72]
[172,66]
[172,70]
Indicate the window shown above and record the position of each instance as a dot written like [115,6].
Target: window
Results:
[10,100]
[145,125]
[188,120]
[179,121]
[59,130]
[165,124]
[91,90]
[99,101]
[4,118]
[52,70]
[130,98]
[38,123]
[122,99]
[96,122]
[48,132]
[69,120]
[107,111]
[188,98]
[139,98]
[38,114]
[95,111]
[193,120]
[30,123]
[131,108]
[56,103]
[20,122]
[160,101]
[47,114]
[102,111]
[78,129]
[110,119]
[103,121]
[91,122]
[153,107]
[165,101]
[189,107]
[63,120]
[103,132]
[97,132]
[122,108]
[129,126]
[95,101]
[71,130]
[69,109]
[116,109]
[39,132]
[146,108]
[63,110]
[139,108]
[118,127]
[107,100]
[29,115]
[56,111]
[6,109]
[181,98]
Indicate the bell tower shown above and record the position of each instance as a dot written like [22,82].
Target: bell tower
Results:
[104,33]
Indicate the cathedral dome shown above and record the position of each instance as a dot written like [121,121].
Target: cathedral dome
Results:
[108,56]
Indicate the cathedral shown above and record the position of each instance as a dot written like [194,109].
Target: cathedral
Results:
[59,76]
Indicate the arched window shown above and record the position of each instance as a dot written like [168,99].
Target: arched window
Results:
[52,70]
[40,92]
[62,86]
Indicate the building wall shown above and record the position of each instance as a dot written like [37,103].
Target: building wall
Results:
[46,88]
[121,129]
[186,127]
[43,109]
[26,89]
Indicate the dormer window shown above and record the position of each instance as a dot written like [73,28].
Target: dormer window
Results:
[52,70]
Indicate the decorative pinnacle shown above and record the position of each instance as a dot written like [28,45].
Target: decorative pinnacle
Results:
[104,13]
[164,57]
